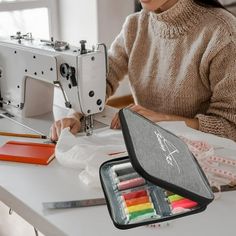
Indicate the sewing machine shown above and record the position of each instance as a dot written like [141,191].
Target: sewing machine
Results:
[30,69]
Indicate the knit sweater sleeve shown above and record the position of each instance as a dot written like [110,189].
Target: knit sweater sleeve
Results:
[220,118]
[118,56]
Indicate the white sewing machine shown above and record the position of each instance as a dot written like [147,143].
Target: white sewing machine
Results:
[30,69]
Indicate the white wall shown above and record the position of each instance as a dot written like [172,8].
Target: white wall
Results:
[93,20]
[111,16]
[97,21]
[230,5]
[78,20]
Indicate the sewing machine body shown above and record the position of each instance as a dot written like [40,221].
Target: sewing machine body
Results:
[30,69]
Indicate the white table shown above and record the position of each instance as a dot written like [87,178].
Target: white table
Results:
[23,187]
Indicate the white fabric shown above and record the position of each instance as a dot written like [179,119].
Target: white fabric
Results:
[87,153]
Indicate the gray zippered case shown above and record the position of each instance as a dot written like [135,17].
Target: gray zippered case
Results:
[164,161]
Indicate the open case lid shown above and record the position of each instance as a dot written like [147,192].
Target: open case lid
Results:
[163,158]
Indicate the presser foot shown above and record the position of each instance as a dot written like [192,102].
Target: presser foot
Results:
[88,125]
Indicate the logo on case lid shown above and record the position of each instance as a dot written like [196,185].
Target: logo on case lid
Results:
[168,149]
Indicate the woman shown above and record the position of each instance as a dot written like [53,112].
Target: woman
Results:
[180,56]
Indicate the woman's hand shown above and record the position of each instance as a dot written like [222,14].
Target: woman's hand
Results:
[155,117]
[73,122]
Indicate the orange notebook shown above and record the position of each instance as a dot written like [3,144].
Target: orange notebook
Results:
[34,153]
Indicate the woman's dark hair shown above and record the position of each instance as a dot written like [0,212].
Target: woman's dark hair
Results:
[209,3]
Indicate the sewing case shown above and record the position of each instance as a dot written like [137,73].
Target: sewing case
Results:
[158,181]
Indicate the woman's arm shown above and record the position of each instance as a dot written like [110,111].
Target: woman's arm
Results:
[220,117]
[72,121]
[119,55]
[155,117]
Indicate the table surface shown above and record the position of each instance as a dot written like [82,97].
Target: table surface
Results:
[23,187]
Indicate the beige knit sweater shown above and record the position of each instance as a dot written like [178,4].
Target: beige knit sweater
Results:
[181,61]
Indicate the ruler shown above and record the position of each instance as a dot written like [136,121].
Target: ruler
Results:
[75,203]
